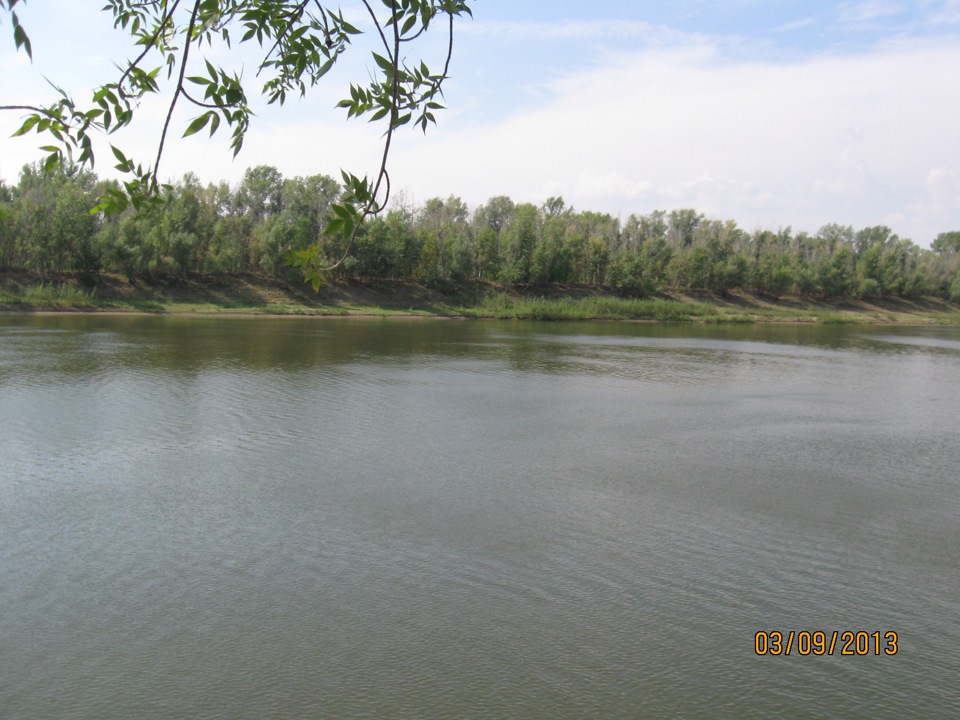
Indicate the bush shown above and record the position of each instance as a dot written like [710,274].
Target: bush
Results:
[182,251]
[868,288]
[955,288]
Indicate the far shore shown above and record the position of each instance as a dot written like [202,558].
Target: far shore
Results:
[253,296]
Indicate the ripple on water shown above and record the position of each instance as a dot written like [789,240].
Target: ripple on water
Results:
[379,520]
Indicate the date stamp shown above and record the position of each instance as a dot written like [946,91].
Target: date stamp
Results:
[837,642]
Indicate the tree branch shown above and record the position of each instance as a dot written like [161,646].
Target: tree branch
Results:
[179,89]
[382,175]
[211,106]
[26,107]
[376,22]
[299,9]
[153,41]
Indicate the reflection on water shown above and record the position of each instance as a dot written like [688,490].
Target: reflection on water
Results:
[924,342]
[292,518]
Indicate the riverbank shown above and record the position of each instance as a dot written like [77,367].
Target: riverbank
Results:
[256,295]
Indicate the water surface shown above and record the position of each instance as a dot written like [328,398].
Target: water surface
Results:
[308,518]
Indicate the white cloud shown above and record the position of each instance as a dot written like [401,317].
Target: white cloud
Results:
[858,139]
[14,61]
[948,14]
[602,185]
[566,30]
[943,186]
[829,139]
[937,202]
[860,12]
[795,25]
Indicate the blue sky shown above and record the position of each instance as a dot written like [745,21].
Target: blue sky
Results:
[771,113]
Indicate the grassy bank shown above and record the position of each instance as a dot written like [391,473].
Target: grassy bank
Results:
[505,305]
[250,294]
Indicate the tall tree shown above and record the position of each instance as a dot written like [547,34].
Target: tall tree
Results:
[947,242]
[299,42]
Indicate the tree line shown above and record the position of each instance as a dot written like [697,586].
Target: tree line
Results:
[258,225]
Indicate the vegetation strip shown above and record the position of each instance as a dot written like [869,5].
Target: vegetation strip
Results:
[496,260]
[261,295]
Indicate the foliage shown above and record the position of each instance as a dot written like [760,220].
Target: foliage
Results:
[299,42]
[59,294]
[955,288]
[948,242]
[253,227]
[506,306]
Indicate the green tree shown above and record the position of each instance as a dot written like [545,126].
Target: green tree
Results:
[309,199]
[833,236]
[656,255]
[231,243]
[682,225]
[955,288]
[628,274]
[553,258]
[75,234]
[8,243]
[131,252]
[835,276]
[299,42]
[489,222]
[260,193]
[520,239]
[375,255]
[898,267]
[443,228]
[488,253]
[871,236]
[947,242]
[598,259]
[773,272]
[49,220]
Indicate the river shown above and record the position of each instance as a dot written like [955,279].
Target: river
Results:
[355,518]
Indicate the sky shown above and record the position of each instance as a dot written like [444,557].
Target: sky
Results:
[772,113]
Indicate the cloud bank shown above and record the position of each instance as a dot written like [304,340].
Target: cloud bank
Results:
[866,139]
[685,121]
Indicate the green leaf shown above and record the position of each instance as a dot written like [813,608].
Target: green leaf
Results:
[323,69]
[114,202]
[344,211]
[51,162]
[27,126]
[411,21]
[384,64]
[20,36]
[197,125]
[333,227]
[315,277]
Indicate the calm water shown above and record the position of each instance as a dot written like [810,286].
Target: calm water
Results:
[235,518]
